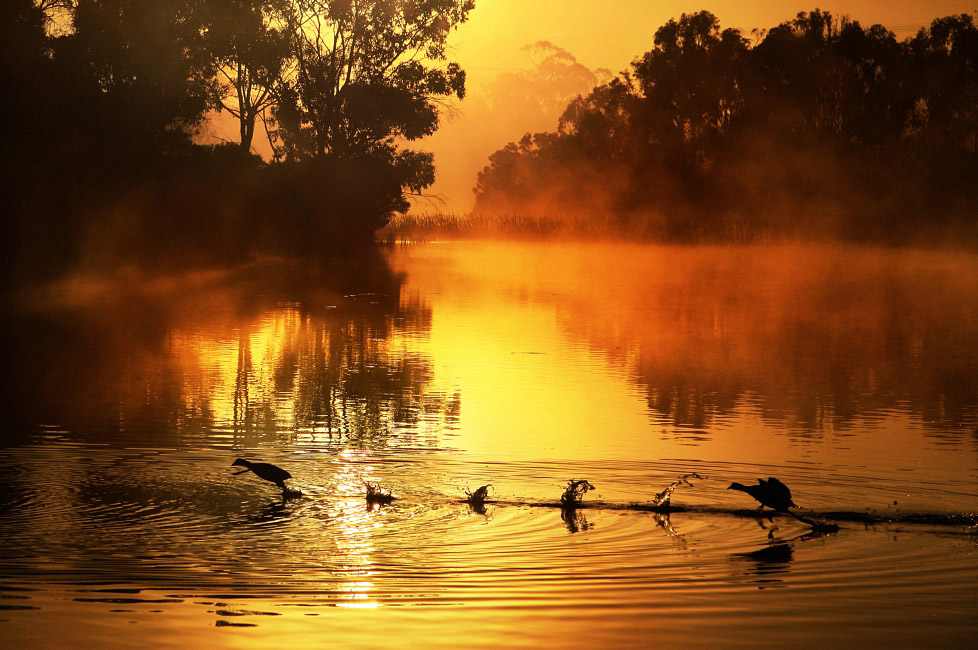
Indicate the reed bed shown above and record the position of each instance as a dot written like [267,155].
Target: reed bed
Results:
[425,227]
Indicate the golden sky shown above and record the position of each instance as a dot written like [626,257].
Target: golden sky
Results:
[600,35]
[612,37]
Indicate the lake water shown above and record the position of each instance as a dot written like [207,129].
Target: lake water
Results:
[849,373]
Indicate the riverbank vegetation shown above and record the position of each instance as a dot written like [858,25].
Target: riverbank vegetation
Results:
[104,99]
[817,127]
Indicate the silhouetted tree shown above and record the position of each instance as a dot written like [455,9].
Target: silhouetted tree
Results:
[153,70]
[802,78]
[604,122]
[690,85]
[108,95]
[23,65]
[946,61]
[821,127]
[252,50]
[365,76]
[25,77]
[545,90]
[879,96]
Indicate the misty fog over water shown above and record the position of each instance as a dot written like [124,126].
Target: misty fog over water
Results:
[693,365]
[847,372]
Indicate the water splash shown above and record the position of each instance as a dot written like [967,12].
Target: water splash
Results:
[662,498]
[574,492]
[377,494]
[478,497]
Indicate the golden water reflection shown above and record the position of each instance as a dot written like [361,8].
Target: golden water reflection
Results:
[225,362]
[817,339]
[353,536]
[850,373]
[537,350]
[532,337]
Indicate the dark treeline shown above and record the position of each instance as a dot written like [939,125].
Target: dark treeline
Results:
[820,127]
[103,99]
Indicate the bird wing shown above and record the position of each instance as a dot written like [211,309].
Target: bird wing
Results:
[778,485]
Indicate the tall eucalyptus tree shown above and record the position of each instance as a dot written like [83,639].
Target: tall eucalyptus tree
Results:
[369,74]
[251,46]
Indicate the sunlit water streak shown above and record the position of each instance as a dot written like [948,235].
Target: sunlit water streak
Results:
[522,366]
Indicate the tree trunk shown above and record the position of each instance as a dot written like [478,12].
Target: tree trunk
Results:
[247,130]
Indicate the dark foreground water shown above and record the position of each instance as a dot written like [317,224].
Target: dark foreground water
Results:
[850,374]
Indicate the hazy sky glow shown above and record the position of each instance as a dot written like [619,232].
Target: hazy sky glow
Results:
[600,35]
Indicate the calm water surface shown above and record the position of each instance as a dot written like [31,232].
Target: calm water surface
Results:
[849,373]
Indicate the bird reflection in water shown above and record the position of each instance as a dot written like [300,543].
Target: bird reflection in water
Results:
[769,561]
[775,558]
[273,511]
[574,519]
[480,509]
[662,521]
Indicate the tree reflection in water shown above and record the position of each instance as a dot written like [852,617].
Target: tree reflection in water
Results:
[814,339]
[260,353]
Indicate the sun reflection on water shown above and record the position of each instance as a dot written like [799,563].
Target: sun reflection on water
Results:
[565,369]
[354,533]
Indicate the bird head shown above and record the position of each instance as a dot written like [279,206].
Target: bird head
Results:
[240,461]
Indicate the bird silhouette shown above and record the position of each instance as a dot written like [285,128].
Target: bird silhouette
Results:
[267,471]
[771,493]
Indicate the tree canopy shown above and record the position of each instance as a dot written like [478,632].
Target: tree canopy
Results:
[822,127]
[107,98]
[364,74]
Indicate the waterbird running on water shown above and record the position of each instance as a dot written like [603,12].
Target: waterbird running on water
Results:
[267,471]
[771,493]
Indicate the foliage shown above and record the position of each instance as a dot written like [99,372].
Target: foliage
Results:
[252,53]
[366,78]
[364,75]
[107,97]
[543,91]
[150,66]
[805,133]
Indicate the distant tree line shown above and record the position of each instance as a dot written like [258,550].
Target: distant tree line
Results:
[817,127]
[103,99]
